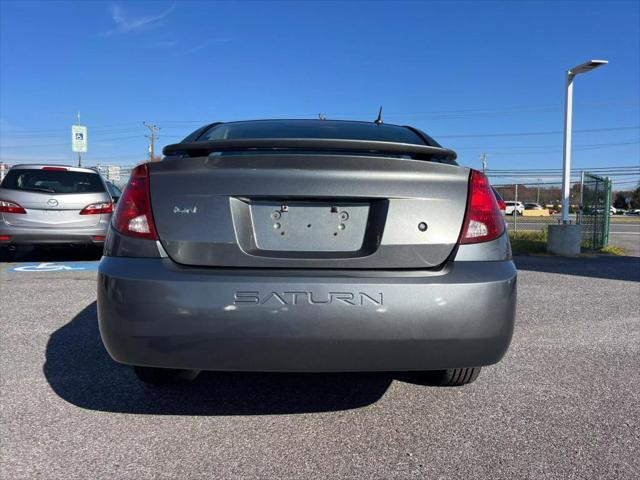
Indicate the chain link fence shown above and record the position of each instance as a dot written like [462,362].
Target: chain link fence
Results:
[595,201]
[532,207]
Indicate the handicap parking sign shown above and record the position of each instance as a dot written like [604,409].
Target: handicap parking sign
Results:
[79,138]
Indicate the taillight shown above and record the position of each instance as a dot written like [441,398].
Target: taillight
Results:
[501,205]
[97,208]
[10,207]
[483,220]
[133,215]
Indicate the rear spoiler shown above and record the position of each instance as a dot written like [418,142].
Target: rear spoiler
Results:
[199,149]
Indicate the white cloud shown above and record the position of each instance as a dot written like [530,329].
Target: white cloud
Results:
[125,23]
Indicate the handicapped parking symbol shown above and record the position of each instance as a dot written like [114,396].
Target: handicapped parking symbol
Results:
[52,267]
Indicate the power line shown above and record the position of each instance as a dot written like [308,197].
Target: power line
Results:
[39,145]
[549,132]
[486,147]
[557,183]
[101,132]
[588,130]
[59,134]
[578,148]
[56,130]
[454,113]
[575,169]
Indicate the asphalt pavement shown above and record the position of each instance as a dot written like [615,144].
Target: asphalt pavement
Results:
[564,402]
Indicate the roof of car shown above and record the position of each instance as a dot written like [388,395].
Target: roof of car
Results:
[40,166]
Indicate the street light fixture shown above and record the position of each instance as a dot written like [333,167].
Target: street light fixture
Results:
[568,113]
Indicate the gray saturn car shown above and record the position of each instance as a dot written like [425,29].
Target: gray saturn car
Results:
[53,204]
[307,246]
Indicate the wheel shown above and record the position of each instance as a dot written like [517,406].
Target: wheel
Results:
[159,376]
[455,377]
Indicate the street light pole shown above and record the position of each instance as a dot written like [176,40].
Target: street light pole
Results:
[564,238]
[568,118]
[566,152]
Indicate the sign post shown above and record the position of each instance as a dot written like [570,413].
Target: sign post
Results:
[79,140]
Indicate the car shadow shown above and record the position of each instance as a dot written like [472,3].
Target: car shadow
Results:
[51,254]
[80,370]
[597,266]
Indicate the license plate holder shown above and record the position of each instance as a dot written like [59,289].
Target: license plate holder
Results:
[309,226]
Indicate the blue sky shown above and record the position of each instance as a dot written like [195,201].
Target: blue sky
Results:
[460,71]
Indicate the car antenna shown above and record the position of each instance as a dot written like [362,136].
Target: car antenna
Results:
[378,121]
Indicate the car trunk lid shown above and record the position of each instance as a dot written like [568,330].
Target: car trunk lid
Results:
[50,210]
[304,210]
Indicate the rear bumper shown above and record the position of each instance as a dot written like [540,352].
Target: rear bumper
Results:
[53,236]
[153,312]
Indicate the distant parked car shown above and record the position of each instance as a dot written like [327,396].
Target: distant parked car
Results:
[53,204]
[533,206]
[513,208]
[633,212]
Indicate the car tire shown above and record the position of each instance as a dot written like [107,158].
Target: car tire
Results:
[160,376]
[456,377]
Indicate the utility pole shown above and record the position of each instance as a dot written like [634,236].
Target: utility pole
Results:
[538,196]
[483,159]
[153,129]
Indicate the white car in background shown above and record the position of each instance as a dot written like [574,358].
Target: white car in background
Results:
[513,208]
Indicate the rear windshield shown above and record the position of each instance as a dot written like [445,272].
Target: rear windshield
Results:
[53,181]
[312,129]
